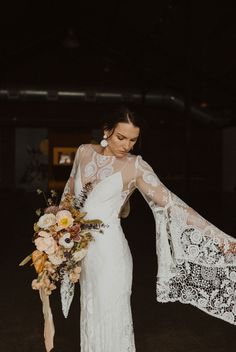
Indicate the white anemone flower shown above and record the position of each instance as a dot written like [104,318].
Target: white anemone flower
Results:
[66,241]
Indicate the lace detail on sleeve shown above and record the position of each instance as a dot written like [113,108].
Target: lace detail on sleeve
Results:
[76,161]
[69,186]
[196,260]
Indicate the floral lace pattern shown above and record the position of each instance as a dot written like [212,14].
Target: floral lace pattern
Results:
[206,278]
[98,168]
[211,289]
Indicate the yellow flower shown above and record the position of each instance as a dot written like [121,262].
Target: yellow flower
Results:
[64,219]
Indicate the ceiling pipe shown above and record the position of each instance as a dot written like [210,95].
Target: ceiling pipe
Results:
[179,104]
[149,99]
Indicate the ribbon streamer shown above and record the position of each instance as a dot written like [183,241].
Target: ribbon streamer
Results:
[49,329]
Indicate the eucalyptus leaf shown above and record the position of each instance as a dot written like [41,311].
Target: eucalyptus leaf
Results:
[26,260]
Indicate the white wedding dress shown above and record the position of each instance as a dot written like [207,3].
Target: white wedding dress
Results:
[196,261]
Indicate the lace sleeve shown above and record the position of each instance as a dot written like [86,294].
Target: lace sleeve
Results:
[196,260]
[69,187]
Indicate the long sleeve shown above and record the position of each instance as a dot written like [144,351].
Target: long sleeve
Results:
[69,186]
[196,260]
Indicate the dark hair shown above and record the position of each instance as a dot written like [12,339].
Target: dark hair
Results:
[126,115]
[121,114]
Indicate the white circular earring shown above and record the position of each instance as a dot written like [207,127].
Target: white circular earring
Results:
[104,142]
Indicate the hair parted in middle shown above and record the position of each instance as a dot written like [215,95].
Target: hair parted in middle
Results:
[122,114]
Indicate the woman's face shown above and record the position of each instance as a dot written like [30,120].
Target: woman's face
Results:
[122,139]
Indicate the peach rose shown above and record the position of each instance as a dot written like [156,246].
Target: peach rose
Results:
[46,220]
[75,274]
[46,244]
[56,259]
[44,234]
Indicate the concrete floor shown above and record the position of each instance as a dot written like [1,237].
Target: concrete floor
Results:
[169,327]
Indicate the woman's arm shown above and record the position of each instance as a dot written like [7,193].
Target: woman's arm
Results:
[69,187]
[196,260]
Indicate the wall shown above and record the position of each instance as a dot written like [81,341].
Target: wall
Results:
[229,159]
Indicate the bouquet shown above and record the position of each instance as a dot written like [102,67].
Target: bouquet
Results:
[61,236]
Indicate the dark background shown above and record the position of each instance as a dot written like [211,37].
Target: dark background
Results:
[62,67]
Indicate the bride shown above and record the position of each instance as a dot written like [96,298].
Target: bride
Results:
[196,261]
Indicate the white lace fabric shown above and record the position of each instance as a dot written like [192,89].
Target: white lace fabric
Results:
[196,263]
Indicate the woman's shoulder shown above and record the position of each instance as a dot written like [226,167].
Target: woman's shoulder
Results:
[139,162]
[134,157]
[83,147]
[80,151]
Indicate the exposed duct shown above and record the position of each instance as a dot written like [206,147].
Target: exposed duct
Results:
[149,99]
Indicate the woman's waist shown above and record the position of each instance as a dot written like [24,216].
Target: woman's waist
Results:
[107,217]
[109,244]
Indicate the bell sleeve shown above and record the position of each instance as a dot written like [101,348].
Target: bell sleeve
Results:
[196,260]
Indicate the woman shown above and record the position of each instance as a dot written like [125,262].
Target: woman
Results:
[196,261]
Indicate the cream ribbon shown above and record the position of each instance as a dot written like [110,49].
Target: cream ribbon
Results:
[49,329]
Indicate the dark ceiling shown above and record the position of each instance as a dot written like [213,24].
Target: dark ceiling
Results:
[185,47]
